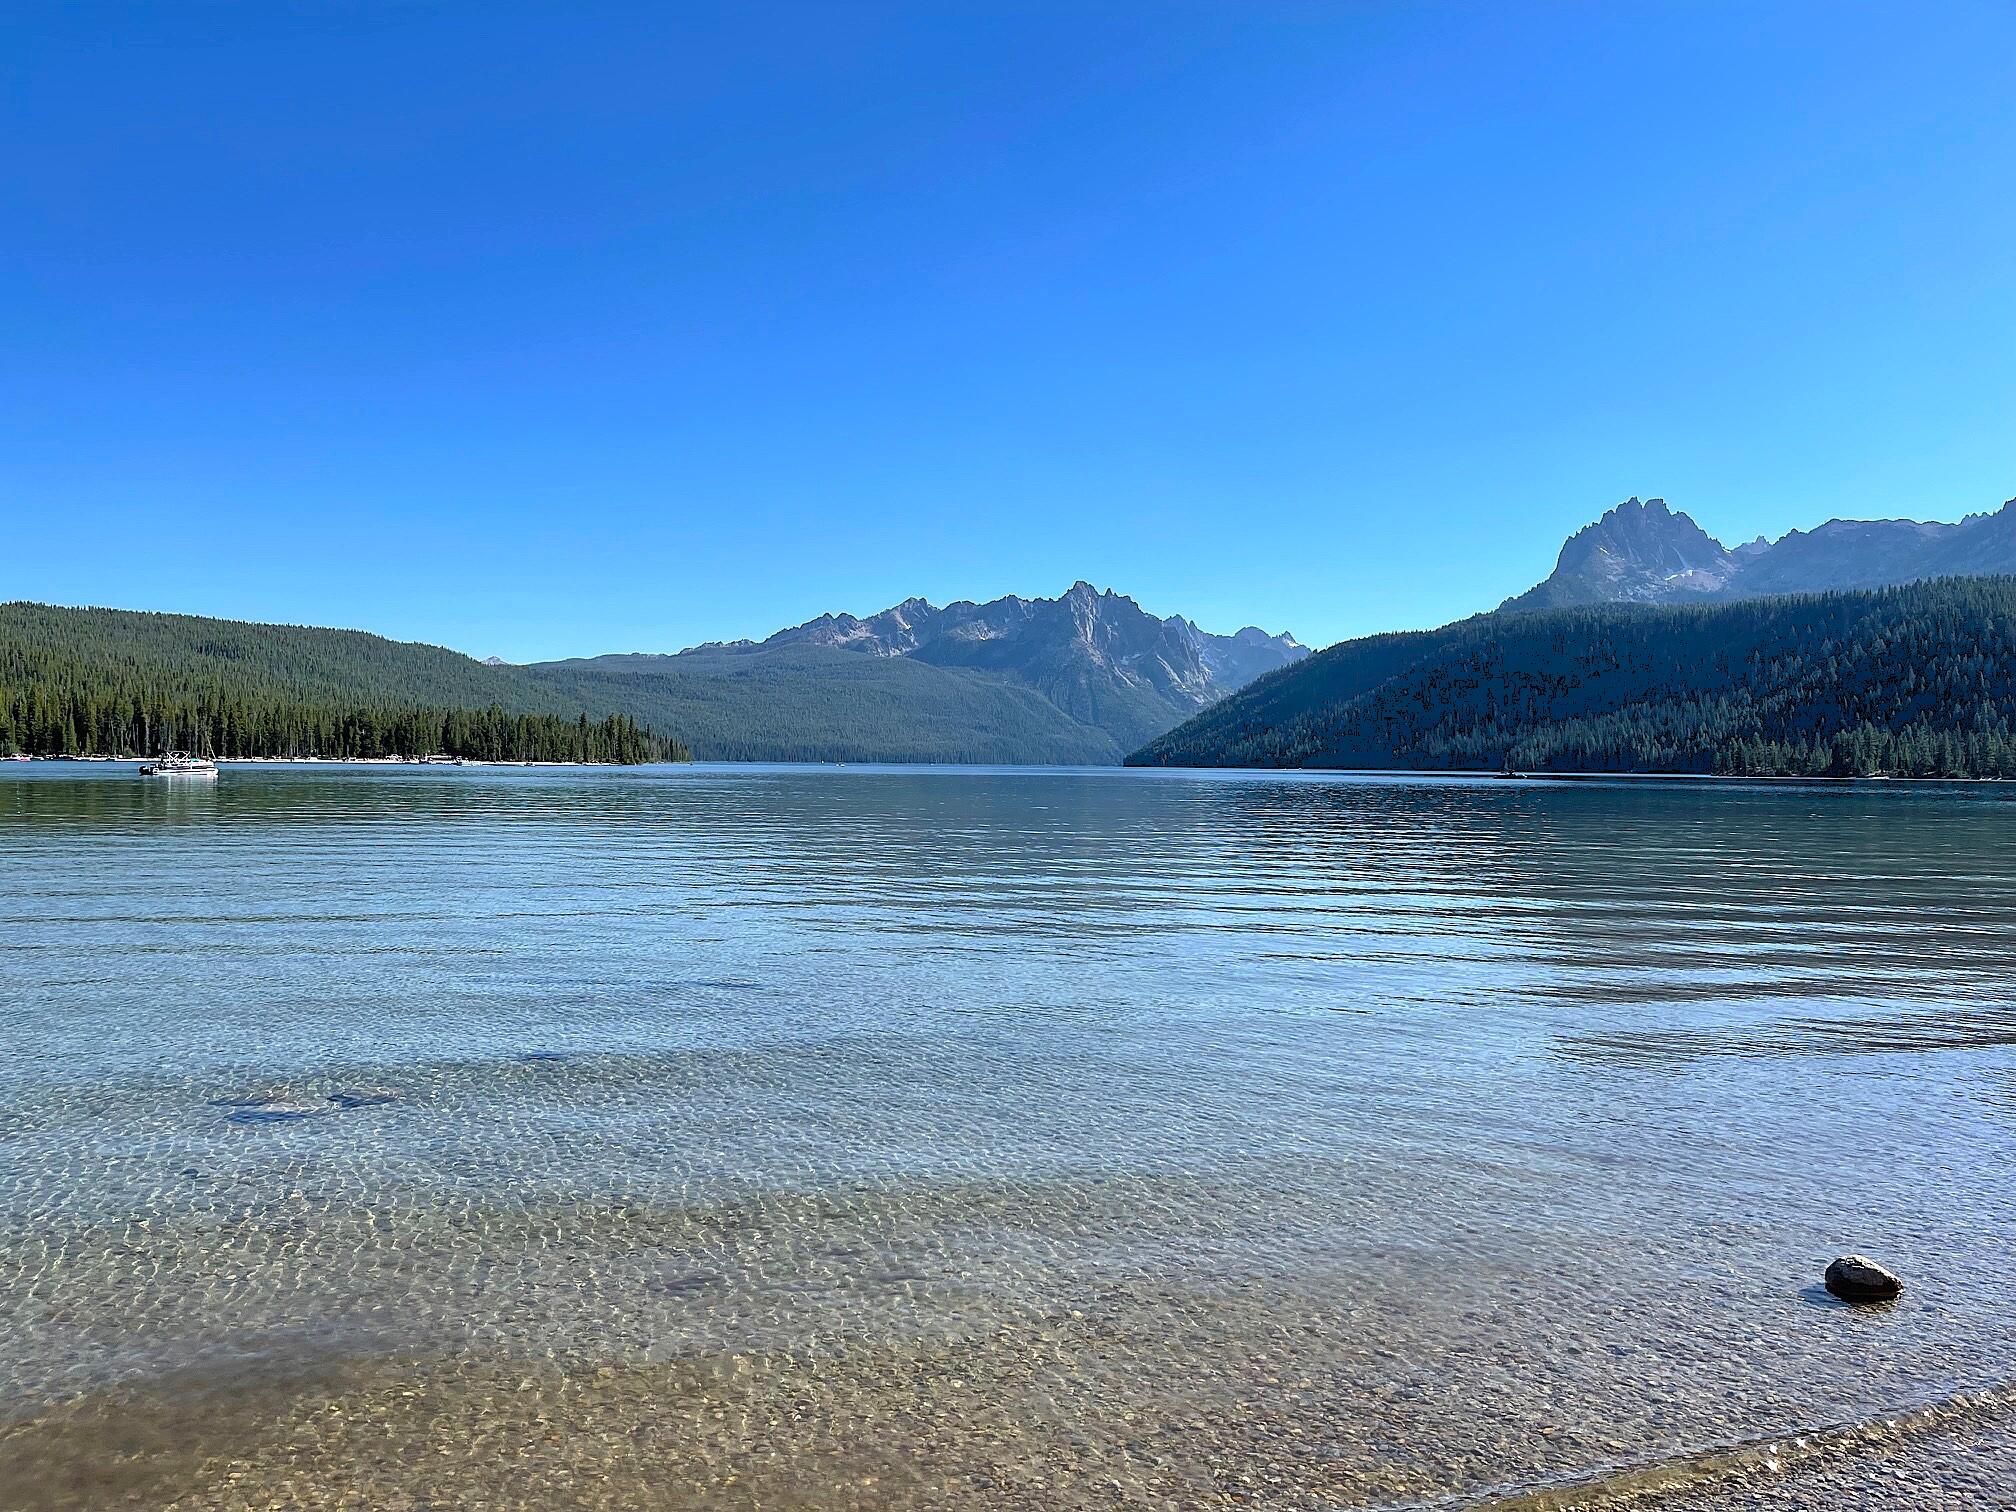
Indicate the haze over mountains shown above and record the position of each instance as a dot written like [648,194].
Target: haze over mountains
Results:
[1084,677]
[1647,553]
[1038,638]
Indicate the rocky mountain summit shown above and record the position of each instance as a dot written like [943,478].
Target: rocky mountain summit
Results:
[1084,677]
[1100,657]
[1648,553]
[1636,553]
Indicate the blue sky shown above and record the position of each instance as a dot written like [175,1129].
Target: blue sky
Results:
[549,330]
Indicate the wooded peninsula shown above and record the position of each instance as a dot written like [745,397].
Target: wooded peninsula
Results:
[106,682]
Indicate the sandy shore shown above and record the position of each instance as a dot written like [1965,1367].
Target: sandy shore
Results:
[1969,1467]
[750,1433]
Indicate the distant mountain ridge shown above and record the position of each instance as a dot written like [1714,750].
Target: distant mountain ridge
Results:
[1084,677]
[1649,553]
[1100,621]
[1860,646]
[1100,657]
[1079,679]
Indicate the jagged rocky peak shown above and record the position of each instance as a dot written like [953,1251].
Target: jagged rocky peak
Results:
[1083,599]
[1641,551]
[1647,553]
[2000,522]
[1083,631]
[894,632]
[1250,635]
[495,661]
[1648,536]
[1253,635]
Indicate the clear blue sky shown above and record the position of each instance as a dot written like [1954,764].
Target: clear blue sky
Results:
[547,330]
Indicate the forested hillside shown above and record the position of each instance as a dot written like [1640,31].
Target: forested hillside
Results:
[114,682]
[1912,681]
[814,703]
[1079,679]
[1084,677]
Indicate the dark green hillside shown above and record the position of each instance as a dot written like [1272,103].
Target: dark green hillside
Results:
[1084,677]
[812,703]
[116,682]
[1919,681]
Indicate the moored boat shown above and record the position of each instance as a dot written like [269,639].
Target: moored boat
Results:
[180,764]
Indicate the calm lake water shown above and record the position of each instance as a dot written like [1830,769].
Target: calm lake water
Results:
[807,1138]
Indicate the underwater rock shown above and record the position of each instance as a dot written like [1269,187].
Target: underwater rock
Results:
[1857,1278]
[276,1113]
[371,1097]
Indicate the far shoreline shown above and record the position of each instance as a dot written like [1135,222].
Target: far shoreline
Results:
[1592,775]
[864,764]
[373,761]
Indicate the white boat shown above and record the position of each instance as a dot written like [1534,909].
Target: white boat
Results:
[180,764]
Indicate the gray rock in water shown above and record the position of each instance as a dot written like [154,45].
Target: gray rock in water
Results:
[371,1097]
[1857,1278]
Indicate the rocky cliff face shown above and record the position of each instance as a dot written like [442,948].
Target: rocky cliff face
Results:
[1235,660]
[1637,553]
[1085,677]
[1648,553]
[1098,656]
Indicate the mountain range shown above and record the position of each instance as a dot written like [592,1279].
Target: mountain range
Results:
[1084,677]
[1853,648]
[1648,553]
[1918,680]
[1573,671]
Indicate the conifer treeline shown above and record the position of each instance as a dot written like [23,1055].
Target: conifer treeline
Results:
[82,722]
[1917,681]
[95,682]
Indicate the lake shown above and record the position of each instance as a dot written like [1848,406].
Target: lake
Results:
[959,1138]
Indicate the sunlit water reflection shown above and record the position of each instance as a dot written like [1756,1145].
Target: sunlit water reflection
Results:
[794,1137]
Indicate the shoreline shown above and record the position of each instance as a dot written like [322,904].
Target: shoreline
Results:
[375,761]
[1596,775]
[275,1421]
[1465,774]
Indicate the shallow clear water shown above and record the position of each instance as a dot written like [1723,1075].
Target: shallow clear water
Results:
[961,1138]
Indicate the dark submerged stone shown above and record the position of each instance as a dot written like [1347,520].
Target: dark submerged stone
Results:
[365,1098]
[1857,1278]
[273,1114]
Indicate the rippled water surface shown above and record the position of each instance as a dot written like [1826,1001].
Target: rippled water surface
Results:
[951,1138]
